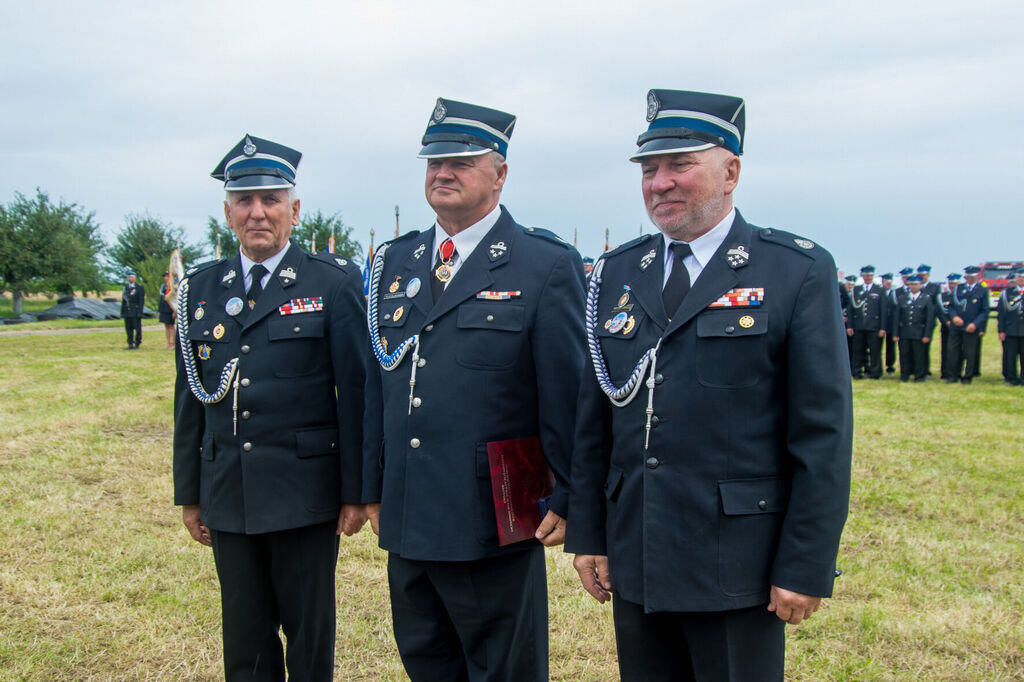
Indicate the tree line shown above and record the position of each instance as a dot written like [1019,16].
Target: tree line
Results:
[56,247]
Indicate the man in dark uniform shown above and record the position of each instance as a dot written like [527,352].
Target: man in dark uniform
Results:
[914,319]
[869,318]
[477,326]
[712,464]
[969,319]
[845,300]
[1010,317]
[272,473]
[943,312]
[133,300]
[932,291]
[890,343]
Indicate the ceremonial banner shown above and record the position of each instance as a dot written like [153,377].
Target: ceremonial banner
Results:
[520,485]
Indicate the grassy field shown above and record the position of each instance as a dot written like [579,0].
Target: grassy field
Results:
[99,580]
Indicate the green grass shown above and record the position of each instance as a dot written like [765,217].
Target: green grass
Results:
[99,580]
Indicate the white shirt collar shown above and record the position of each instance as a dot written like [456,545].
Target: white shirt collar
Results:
[270,264]
[704,246]
[466,240]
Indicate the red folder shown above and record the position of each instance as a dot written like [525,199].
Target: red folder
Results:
[520,480]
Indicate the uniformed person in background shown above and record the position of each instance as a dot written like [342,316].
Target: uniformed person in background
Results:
[944,310]
[932,291]
[969,319]
[914,318]
[890,343]
[588,265]
[268,421]
[133,301]
[869,318]
[477,326]
[712,464]
[848,283]
[1010,318]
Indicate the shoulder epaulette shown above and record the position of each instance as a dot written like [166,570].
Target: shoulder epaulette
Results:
[628,245]
[790,240]
[340,262]
[548,235]
[204,266]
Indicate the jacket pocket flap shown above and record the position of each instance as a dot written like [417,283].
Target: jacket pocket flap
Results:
[501,316]
[295,327]
[313,442]
[208,333]
[754,495]
[739,322]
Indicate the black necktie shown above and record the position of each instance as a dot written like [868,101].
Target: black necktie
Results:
[678,284]
[256,288]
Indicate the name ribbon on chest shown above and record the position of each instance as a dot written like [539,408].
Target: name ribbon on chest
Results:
[746,297]
[302,305]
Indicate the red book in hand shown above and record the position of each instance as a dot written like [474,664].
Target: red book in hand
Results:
[520,479]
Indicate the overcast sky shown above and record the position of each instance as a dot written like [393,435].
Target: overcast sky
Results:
[889,132]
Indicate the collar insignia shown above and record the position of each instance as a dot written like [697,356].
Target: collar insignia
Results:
[418,253]
[648,258]
[229,278]
[498,250]
[287,273]
[737,257]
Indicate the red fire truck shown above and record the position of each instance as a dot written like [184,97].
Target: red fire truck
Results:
[998,275]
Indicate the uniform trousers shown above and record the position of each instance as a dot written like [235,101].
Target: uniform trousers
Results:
[913,359]
[963,347]
[716,646]
[945,361]
[890,354]
[133,329]
[274,581]
[1013,358]
[472,620]
[867,357]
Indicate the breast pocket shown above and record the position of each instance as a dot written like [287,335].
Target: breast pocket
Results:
[732,348]
[490,335]
[211,344]
[298,345]
[614,329]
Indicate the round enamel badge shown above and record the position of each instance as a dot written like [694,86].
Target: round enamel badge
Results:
[746,322]
[413,287]
[617,323]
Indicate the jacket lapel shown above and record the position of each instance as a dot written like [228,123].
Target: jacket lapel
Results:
[232,285]
[418,266]
[475,274]
[648,279]
[717,277]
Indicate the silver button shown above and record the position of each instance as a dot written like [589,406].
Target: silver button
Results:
[334,445]
[422,362]
[296,329]
[429,328]
[490,318]
[414,443]
[247,446]
[387,316]
[245,381]
[416,402]
[245,349]
[206,332]
[246,414]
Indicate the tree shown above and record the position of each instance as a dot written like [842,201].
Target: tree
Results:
[321,226]
[142,244]
[219,233]
[47,247]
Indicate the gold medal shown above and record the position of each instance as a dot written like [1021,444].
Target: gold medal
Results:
[218,331]
[630,323]
[623,300]
[204,352]
[384,342]
[443,273]
[397,315]
[394,285]
[746,322]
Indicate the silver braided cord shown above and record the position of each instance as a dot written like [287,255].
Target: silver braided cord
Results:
[388,362]
[195,384]
[1015,305]
[619,395]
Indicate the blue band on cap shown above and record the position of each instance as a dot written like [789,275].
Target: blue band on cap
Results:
[731,141]
[286,172]
[485,138]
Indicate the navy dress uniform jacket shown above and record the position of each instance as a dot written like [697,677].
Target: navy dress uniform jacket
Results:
[297,453]
[133,300]
[1010,312]
[915,318]
[490,370]
[869,309]
[746,480]
[973,305]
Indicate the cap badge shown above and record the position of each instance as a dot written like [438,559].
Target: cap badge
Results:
[804,243]
[746,322]
[287,273]
[648,258]
[652,106]
[394,285]
[413,287]
[440,111]
[233,306]
[419,251]
[250,147]
[204,352]
[737,257]
[498,250]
